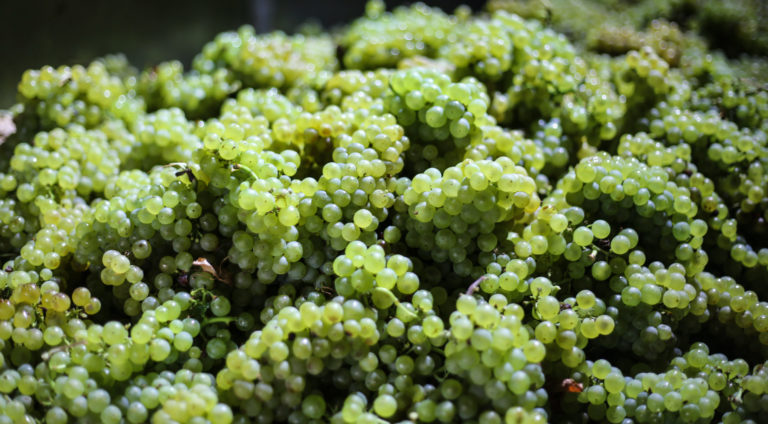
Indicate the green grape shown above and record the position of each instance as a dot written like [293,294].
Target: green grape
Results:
[422,217]
[582,236]
[620,244]
[601,229]
[385,405]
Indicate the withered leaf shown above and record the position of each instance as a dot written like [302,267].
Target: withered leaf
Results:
[207,267]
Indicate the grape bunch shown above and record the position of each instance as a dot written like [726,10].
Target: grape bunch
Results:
[422,217]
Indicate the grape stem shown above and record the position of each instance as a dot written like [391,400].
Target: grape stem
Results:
[245,168]
[396,301]
[63,348]
[217,320]
[475,285]
[599,249]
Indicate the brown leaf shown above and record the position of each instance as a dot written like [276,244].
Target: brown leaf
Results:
[207,267]
[571,386]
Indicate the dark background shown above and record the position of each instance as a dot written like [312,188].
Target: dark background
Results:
[34,33]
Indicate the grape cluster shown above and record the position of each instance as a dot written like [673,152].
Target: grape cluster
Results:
[166,86]
[382,39]
[664,37]
[272,60]
[617,26]
[79,95]
[424,217]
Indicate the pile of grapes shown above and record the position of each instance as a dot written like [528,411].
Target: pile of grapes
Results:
[422,217]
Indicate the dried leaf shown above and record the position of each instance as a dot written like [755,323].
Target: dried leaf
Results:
[206,266]
[571,386]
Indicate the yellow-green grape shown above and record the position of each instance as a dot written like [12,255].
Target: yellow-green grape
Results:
[424,216]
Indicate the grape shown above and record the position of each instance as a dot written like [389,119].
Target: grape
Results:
[582,236]
[424,217]
[601,228]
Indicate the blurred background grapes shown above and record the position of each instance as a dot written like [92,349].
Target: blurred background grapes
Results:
[35,33]
[56,32]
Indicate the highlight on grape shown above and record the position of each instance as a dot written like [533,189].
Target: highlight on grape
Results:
[423,217]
